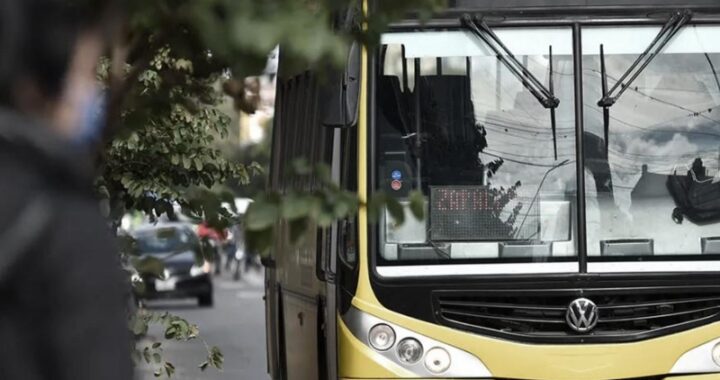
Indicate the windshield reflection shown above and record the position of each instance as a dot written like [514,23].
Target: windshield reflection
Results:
[467,132]
[663,131]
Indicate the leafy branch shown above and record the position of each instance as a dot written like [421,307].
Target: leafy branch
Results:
[175,329]
[320,207]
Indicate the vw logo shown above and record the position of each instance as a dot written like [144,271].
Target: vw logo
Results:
[582,315]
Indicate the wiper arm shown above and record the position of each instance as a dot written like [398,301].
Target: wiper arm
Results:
[712,67]
[544,96]
[610,97]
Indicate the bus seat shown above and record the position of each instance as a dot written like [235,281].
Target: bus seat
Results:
[451,137]
[393,105]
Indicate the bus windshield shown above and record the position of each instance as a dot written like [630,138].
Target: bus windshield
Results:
[454,122]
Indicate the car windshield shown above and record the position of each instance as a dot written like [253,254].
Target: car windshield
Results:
[454,122]
[163,241]
[655,190]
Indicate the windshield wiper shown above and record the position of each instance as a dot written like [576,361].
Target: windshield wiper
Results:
[610,97]
[545,96]
[712,67]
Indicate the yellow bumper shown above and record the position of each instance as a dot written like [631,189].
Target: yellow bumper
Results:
[511,360]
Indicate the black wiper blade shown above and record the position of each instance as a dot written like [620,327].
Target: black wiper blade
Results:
[553,122]
[610,97]
[545,96]
[606,109]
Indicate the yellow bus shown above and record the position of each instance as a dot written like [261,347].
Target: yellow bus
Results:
[569,155]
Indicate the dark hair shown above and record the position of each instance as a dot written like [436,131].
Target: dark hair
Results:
[37,38]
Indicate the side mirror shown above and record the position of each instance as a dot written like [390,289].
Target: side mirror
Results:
[343,93]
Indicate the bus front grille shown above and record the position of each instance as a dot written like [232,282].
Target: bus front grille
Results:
[540,316]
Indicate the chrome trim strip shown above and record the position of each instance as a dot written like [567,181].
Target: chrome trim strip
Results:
[463,363]
[474,269]
[546,268]
[653,266]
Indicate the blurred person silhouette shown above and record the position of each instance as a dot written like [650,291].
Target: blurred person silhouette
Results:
[62,293]
[213,239]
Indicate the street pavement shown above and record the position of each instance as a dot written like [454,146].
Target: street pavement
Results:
[236,324]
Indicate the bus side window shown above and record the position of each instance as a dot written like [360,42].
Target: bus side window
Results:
[347,249]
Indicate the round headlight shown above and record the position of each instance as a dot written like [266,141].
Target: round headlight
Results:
[409,350]
[716,354]
[437,360]
[381,337]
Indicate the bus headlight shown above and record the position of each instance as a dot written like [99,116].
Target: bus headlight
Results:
[442,360]
[716,354]
[381,337]
[409,351]
[704,358]
[437,360]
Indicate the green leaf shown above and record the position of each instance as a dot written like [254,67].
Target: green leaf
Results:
[301,167]
[298,230]
[216,358]
[381,201]
[138,325]
[417,204]
[149,266]
[396,210]
[169,369]
[261,215]
[323,173]
[376,206]
[261,240]
[295,206]
[325,218]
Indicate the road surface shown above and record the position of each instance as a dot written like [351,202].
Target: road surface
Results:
[236,324]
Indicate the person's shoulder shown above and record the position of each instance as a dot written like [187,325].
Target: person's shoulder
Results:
[79,235]
[21,185]
[77,212]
